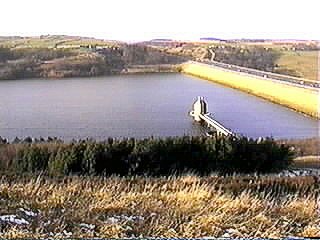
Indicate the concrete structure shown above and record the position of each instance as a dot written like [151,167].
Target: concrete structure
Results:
[285,79]
[199,108]
[200,114]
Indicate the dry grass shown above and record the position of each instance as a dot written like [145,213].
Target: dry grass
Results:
[305,63]
[186,206]
[300,99]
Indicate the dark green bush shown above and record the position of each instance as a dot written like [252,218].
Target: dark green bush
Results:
[249,155]
[154,157]
[32,158]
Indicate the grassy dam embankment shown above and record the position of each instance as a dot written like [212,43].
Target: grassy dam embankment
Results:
[300,99]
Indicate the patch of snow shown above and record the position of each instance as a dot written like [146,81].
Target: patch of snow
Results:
[118,218]
[297,172]
[229,233]
[226,235]
[28,213]
[68,234]
[88,226]
[133,218]
[113,220]
[13,219]
[47,223]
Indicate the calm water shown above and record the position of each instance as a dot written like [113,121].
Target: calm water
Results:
[139,106]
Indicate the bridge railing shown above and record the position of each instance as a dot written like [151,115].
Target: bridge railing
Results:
[218,126]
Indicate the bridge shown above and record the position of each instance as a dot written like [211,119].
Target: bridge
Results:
[200,114]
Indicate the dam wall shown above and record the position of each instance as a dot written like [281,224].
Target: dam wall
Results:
[303,100]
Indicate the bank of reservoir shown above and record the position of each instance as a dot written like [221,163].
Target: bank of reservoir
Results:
[301,99]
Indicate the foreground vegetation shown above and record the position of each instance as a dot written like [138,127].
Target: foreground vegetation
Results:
[152,157]
[297,98]
[37,200]
[173,207]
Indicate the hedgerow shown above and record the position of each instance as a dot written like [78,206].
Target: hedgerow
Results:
[151,156]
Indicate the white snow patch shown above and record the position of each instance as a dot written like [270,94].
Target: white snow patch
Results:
[298,172]
[118,218]
[229,232]
[68,234]
[226,235]
[13,219]
[88,226]
[28,213]
[47,223]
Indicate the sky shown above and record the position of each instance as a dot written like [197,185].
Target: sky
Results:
[136,20]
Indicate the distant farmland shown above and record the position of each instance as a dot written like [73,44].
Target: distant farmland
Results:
[304,63]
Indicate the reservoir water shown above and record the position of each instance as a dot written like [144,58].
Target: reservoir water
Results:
[137,106]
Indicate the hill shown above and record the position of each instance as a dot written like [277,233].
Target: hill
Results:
[68,56]
[296,58]
[71,56]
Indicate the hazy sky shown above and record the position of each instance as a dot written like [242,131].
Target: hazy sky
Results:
[147,19]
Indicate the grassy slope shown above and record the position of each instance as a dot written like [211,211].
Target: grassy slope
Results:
[299,99]
[186,207]
[304,63]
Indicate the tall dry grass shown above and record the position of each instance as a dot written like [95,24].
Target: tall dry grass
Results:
[300,99]
[184,207]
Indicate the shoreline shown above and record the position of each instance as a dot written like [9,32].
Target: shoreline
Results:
[134,69]
[154,68]
[277,93]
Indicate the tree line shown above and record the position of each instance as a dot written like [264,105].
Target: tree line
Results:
[251,57]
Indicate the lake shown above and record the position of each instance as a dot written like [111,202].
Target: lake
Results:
[137,106]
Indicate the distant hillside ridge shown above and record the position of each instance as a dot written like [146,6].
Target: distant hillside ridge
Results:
[63,56]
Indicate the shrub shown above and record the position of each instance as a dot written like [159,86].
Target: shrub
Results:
[32,158]
[249,155]
[153,157]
